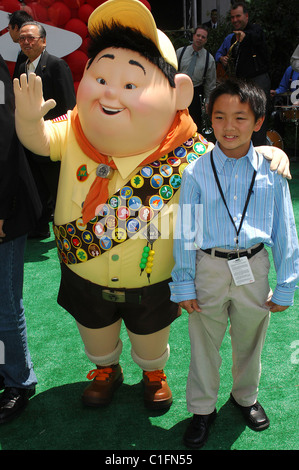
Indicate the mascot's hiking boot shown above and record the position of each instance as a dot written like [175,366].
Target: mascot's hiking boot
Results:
[157,394]
[105,381]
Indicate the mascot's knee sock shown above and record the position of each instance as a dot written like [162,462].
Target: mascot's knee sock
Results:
[151,364]
[109,359]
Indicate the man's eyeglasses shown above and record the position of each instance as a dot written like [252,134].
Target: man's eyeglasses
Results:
[30,39]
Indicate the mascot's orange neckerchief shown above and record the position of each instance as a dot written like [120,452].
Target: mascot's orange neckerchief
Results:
[183,127]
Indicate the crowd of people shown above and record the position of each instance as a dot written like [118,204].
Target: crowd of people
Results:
[243,54]
[84,137]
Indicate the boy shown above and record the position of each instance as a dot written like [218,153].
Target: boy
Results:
[244,206]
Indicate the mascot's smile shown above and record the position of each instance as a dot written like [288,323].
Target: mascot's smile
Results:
[111,111]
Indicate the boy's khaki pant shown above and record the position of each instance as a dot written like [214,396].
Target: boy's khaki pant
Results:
[220,300]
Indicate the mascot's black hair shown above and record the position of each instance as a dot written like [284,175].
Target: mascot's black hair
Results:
[123,37]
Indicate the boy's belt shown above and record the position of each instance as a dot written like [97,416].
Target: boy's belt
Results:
[234,254]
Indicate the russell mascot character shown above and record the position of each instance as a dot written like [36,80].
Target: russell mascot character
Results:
[123,150]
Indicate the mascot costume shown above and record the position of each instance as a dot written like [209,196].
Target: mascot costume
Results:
[122,150]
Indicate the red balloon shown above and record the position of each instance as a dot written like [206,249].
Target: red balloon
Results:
[146,3]
[77,26]
[10,5]
[46,3]
[38,11]
[84,12]
[74,4]
[76,84]
[84,46]
[76,62]
[95,3]
[59,13]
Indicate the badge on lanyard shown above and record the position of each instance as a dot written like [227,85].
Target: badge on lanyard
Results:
[241,271]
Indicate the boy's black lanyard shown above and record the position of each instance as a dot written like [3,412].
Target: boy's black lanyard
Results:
[222,195]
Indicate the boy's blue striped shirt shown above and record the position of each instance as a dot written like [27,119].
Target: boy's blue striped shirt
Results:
[269,219]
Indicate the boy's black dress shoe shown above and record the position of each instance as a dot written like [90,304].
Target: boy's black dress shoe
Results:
[197,432]
[13,401]
[254,415]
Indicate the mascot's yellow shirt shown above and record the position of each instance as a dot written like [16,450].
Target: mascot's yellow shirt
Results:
[119,267]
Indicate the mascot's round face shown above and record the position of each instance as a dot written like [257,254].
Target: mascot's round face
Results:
[125,103]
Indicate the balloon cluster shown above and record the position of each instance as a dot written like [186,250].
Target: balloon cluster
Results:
[71,15]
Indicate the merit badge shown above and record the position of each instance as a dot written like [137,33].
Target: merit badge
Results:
[87,237]
[102,210]
[202,139]
[146,171]
[105,243]
[81,255]
[70,229]
[126,192]
[111,222]
[156,203]
[94,250]
[182,168]
[66,245]
[76,242]
[119,235]
[189,143]
[199,148]
[134,203]
[191,157]
[133,225]
[166,192]
[82,174]
[98,229]
[156,181]
[175,181]
[166,171]
[137,181]
[155,164]
[180,152]
[114,202]
[80,224]
[146,214]
[174,161]
[71,258]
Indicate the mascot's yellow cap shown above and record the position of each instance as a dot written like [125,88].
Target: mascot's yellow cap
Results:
[133,14]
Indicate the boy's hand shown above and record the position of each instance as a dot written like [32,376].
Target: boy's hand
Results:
[274,307]
[190,305]
[30,104]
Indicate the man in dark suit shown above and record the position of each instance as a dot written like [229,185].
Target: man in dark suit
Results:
[20,207]
[57,84]
[212,24]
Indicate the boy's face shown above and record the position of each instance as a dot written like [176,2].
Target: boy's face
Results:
[125,103]
[233,123]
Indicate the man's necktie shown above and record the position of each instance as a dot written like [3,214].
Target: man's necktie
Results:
[192,64]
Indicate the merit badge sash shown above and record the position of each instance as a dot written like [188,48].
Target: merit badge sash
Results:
[131,209]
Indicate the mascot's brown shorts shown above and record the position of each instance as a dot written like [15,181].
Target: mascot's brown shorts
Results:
[144,311]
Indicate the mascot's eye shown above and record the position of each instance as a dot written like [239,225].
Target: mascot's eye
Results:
[101,81]
[130,86]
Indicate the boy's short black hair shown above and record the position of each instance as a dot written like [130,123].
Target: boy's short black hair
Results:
[247,91]
[120,36]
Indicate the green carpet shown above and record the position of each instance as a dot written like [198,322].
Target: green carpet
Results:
[55,418]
